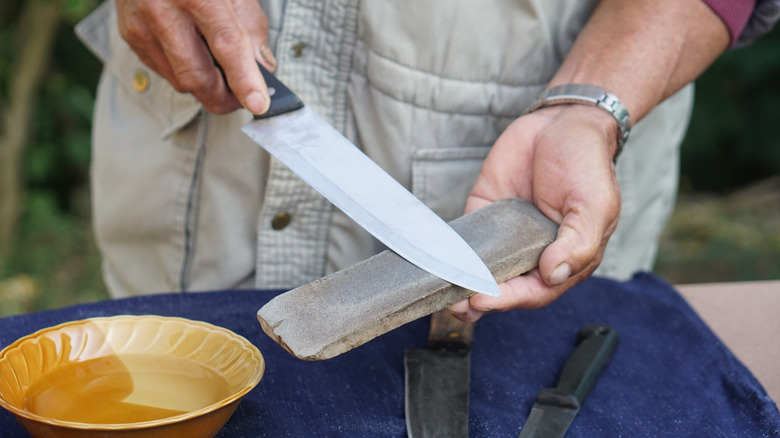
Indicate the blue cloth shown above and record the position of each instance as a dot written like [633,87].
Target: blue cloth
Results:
[669,376]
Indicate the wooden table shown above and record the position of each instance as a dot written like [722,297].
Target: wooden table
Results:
[746,317]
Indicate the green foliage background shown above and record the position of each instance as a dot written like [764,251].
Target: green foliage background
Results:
[54,251]
[733,139]
[733,142]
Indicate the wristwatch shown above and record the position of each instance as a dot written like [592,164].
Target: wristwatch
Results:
[588,95]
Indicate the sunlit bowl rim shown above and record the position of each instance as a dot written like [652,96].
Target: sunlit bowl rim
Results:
[141,424]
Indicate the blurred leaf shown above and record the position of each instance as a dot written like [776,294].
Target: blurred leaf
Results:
[39,163]
[733,139]
[43,216]
[77,146]
[79,101]
[75,10]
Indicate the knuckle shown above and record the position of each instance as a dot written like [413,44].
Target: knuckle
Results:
[614,204]
[151,10]
[141,7]
[587,253]
[533,301]
[143,23]
[177,86]
[133,30]
[221,107]
[540,298]
[193,80]
[227,39]
[262,24]
[534,304]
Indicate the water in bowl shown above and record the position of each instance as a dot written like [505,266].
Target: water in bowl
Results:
[125,389]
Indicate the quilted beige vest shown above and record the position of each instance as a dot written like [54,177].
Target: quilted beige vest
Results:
[183,201]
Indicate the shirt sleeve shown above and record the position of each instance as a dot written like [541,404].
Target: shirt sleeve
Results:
[734,14]
[763,18]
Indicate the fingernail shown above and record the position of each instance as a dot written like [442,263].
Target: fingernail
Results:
[257,103]
[560,274]
[268,55]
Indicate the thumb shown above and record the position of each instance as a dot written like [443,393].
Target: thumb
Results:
[579,246]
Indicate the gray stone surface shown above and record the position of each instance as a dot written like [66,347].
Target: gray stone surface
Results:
[350,307]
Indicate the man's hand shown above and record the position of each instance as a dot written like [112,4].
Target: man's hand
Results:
[560,159]
[168,36]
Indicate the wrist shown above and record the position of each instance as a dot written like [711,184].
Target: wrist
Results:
[584,124]
[589,95]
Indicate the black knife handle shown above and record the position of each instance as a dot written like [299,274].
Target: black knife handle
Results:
[595,344]
[282,99]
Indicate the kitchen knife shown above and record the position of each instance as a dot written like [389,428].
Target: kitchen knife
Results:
[437,380]
[556,408]
[326,160]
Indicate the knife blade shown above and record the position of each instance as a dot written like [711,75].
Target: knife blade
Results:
[437,380]
[295,135]
[555,409]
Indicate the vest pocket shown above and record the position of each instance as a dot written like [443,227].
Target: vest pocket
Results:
[443,178]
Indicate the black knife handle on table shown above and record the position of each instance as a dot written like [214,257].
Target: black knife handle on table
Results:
[282,99]
[595,344]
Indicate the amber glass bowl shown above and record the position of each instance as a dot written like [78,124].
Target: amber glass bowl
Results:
[128,376]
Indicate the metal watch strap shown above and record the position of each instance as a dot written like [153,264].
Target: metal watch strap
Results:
[588,95]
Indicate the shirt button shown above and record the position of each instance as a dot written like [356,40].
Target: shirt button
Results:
[281,220]
[298,49]
[140,81]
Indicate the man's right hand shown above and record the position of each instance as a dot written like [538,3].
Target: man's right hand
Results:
[168,36]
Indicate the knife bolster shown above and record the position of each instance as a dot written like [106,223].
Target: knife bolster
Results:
[282,99]
[552,397]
